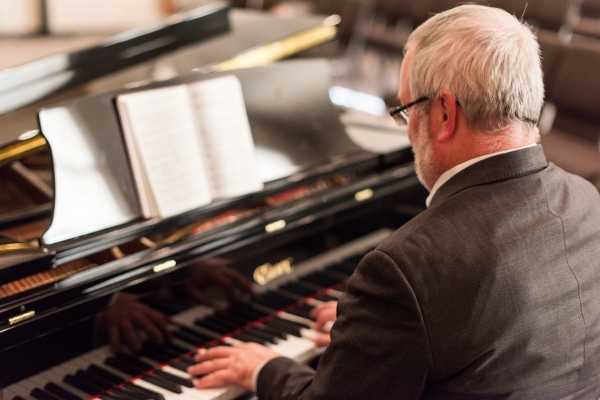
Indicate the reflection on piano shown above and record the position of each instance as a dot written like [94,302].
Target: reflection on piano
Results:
[326,202]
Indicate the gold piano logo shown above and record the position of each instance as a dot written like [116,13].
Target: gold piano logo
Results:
[266,272]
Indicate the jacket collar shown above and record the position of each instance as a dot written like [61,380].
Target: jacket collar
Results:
[504,166]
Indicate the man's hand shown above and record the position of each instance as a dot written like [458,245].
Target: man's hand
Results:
[235,365]
[324,315]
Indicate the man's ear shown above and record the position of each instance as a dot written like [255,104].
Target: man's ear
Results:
[446,113]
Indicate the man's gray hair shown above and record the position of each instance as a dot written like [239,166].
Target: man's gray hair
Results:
[487,58]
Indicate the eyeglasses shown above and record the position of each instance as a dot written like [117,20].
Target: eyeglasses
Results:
[400,114]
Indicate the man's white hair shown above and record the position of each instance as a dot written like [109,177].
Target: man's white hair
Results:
[487,58]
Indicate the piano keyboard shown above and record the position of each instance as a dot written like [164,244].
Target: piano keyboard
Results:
[276,317]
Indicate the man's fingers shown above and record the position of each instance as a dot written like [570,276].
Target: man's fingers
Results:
[322,340]
[215,379]
[213,352]
[208,367]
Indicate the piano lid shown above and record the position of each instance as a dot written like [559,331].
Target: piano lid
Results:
[38,79]
[213,36]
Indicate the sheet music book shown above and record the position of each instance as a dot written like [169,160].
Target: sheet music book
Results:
[188,144]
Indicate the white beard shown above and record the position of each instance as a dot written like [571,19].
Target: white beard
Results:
[423,150]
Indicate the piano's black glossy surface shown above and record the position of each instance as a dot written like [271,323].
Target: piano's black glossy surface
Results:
[327,193]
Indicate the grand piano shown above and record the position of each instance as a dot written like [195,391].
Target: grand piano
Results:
[239,269]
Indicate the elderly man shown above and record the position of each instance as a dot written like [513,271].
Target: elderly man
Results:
[492,292]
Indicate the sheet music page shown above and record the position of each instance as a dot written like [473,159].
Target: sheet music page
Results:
[166,150]
[229,146]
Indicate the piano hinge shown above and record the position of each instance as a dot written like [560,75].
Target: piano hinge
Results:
[275,226]
[20,318]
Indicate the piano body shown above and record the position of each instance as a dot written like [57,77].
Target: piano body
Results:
[326,201]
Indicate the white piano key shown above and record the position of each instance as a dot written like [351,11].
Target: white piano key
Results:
[229,392]
[175,371]
[295,318]
[21,389]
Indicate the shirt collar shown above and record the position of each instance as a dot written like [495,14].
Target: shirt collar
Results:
[445,177]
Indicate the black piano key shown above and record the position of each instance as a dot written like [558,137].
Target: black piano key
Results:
[301,311]
[174,347]
[157,354]
[323,280]
[182,365]
[201,335]
[132,360]
[175,378]
[84,386]
[163,383]
[268,310]
[256,334]
[291,298]
[187,359]
[240,320]
[275,332]
[141,393]
[293,322]
[40,394]
[61,392]
[95,379]
[135,366]
[190,338]
[171,350]
[105,374]
[229,320]
[261,333]
[275,301]
[123,366]
[133,392]
[123,393]
[212,326]
[283,326]
[129,390]
[249,338]
[113,396]
[247,310]
[299,289]
[176,356]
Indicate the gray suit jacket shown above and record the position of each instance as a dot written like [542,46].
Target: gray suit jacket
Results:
[493,292]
